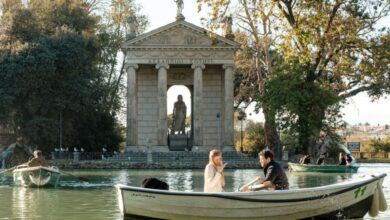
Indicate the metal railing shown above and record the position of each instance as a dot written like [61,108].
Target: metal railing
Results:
[182,157]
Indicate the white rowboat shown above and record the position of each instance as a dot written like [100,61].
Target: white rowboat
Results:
[351,199]
[36,176]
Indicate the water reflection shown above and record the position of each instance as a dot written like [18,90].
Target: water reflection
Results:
[180,180]
[304,180]
[188,183]
[122,177]
[20,205]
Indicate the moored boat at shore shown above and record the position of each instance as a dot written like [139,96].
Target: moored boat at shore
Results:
[353,168]
[350,199]
[36,176]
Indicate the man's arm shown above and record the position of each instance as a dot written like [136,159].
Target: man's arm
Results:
[264,185]
[245,187]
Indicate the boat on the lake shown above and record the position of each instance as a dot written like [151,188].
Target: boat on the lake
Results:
[296,167]
[350,199]
[38,176]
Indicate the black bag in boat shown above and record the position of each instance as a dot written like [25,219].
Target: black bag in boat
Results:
[154,183]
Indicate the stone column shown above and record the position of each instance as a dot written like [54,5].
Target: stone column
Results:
[198,105]
[228,114]
[162,130]
[132,136]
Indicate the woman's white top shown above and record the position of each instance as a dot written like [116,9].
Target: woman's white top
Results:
[214,181]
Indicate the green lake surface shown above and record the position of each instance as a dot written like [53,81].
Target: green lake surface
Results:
[97,199]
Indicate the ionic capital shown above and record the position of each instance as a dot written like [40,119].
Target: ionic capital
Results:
[198,65]
[131,65]
[227,66]
[162,65]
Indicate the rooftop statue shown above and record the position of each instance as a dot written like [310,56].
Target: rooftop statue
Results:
[180,7]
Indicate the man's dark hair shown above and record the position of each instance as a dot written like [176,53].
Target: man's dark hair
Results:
[267,154]
[154,183]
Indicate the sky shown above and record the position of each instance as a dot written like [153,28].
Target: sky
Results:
[360,108]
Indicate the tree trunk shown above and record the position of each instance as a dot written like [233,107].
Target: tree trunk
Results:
[272,139]
[309,130]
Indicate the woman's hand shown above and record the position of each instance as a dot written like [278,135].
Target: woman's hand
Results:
[220,169]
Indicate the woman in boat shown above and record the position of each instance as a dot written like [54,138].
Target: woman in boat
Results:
[38,160]
[275,177]
[349,159]
[214,180]
[346,159]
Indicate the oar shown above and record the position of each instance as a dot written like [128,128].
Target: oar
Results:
[8,170]
[77,177]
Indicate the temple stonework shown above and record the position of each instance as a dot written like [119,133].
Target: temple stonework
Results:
[180,53]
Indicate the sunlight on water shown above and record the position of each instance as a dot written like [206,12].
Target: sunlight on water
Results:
[97,199]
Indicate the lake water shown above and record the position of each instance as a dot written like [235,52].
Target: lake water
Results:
[97,198]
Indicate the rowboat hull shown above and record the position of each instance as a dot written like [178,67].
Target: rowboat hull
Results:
[322,168]
[36,176]
[351,199]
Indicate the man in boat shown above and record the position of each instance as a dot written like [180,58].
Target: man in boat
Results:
[38,160]
[275,177]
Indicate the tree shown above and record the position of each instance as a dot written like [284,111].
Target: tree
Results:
[297,103]
[254,137]
[257,57]
[48,62]
[380,145]
[112,32]
[337,42]
[339,45]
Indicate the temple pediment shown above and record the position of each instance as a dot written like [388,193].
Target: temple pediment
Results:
[180,34]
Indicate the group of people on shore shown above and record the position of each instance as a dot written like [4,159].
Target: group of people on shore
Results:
[274,175]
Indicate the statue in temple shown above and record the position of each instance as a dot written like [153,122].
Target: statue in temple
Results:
[179,116]
[132,29]
[180,7]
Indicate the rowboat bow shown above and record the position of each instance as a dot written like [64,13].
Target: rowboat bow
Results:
[36,176]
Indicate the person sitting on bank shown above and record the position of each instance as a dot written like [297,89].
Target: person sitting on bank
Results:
[38,160]
[275,177]
[321,159]
[214,180]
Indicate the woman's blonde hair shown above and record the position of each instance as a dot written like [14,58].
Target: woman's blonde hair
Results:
[214,153]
